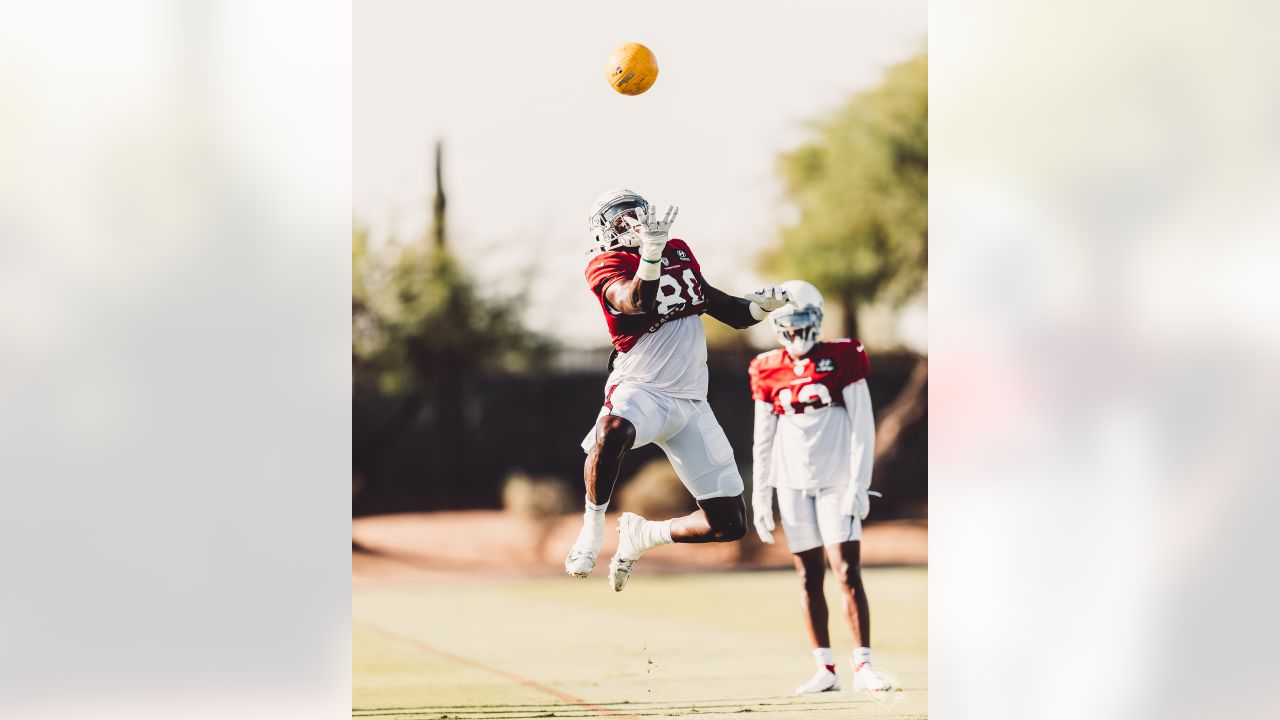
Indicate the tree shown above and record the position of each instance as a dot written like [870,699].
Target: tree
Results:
[420,329]
[861,187]
[417,319]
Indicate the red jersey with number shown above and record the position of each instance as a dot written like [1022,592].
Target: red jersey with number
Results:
[665,349]
[810,443]
[679,291]
[815,381]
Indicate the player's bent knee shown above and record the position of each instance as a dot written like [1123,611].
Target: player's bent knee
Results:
[615,435]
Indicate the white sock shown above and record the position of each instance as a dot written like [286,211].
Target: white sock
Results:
[861,655]
[824,657]
[592,524]
[597,508]
[656,532]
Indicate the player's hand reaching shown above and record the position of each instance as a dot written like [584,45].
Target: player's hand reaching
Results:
[762,513]
[653,231]
[769,298]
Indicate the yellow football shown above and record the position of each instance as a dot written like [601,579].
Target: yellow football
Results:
[632,69]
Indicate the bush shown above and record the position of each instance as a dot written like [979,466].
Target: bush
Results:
[536,499]
[656,492]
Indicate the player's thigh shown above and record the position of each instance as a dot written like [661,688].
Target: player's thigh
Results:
[702,456]
[644,409]
[799,514]
[834,524]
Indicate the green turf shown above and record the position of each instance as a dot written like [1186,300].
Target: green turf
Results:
[709,645]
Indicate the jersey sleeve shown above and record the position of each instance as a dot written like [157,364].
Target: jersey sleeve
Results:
[857,400]
[855,364]
[766,428]
[607,267]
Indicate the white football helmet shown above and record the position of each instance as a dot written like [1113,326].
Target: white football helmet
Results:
[799,324]
[609,230]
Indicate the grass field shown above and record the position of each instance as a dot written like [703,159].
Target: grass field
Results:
[708,645]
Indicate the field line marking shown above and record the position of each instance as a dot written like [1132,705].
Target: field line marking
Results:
[519,679]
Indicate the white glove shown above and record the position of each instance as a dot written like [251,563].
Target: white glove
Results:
[762,511]
[769,298]
[653,232]
[859,503]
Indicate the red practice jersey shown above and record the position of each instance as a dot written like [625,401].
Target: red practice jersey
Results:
[679,291]
[816,381]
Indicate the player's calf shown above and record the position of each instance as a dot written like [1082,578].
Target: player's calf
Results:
[722,519]
[614,437]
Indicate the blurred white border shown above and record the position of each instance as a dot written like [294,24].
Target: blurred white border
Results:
[174,217]
[174,375]
[1104,259]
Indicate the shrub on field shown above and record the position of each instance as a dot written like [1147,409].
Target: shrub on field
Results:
[655,492]
[537,502]
[536,498]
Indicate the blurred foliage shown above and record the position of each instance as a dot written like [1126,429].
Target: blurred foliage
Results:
[418,319]
[722,338]
[861,187]
[537,503]
[538,498]
[655,492]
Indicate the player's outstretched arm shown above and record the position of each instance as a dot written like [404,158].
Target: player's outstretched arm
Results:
[743,312]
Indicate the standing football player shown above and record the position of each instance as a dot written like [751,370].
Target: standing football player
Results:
[814,440]
[652,291]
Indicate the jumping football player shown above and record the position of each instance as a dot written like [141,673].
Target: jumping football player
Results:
[652,291]
[814,440]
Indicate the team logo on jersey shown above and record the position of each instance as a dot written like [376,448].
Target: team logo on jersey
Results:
[681,254]
[826,365]
[666,261]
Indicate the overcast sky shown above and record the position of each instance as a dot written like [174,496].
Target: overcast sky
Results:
[533,132]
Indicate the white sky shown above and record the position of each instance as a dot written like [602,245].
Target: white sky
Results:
[533,132]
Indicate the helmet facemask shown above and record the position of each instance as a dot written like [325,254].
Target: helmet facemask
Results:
[798,330]
[612,227]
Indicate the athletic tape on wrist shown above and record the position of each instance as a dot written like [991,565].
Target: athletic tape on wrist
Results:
[649,269]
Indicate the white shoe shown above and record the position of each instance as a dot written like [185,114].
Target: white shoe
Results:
[631,544]
[866,678]
[582,556]
[580,561]
[822,681]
